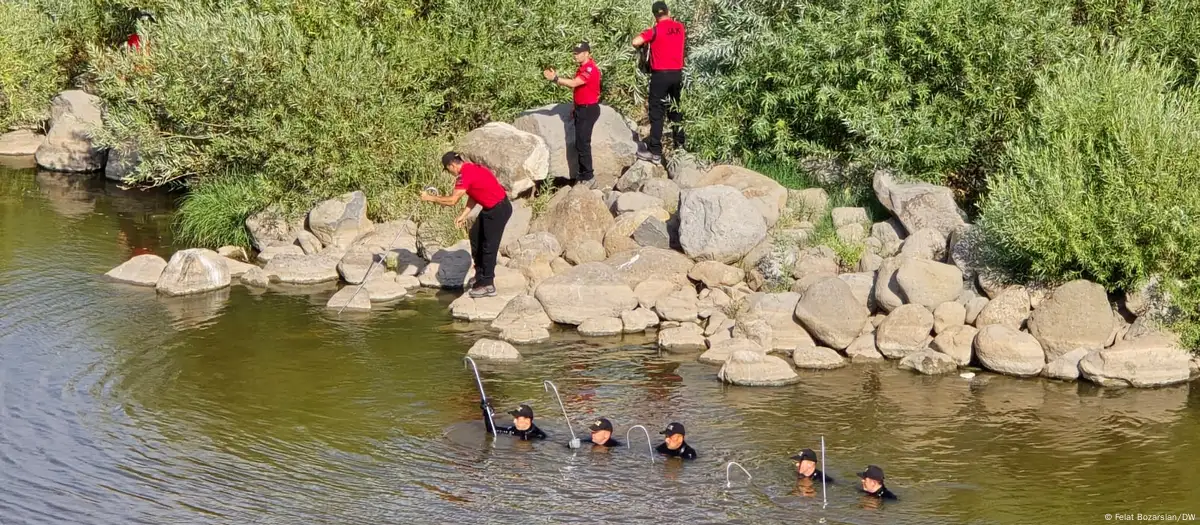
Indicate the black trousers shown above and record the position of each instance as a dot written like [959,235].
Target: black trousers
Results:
[665,87]
[585,120]
[485,241]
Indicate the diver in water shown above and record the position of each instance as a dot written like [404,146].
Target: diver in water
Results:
[602,430]
[522,427]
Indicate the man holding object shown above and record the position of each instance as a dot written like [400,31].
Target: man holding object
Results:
[481,187]
[586,84]
[666,40]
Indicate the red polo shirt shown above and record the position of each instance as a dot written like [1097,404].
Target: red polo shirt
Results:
[481,185]
[666,47]
[589,91]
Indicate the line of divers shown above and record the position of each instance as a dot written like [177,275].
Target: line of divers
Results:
[674,445]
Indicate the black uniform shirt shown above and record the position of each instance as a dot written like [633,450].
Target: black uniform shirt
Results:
[882,493]
[611,443]
[524,435]
[684,451]
[816,476]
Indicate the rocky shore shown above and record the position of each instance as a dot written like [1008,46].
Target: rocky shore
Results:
[720,261]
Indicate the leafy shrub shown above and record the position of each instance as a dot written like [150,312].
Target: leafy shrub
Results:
[29,76]
[1105,183]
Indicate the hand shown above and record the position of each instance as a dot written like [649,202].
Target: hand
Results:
[483,404]
[549,74]
[426,197]
[460,221]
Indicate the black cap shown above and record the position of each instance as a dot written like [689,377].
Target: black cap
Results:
[659,8]
[581,47]
[450,157]
[806,454]
[522,411]
[672,429]
[600,424]
[872,472]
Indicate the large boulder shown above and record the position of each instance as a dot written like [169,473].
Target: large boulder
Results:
[948,315]
[718,223]
[813,357]
[714,274]
[918,205]
[357,262]
[537,243]
[890,236]
[256,278]
[686,171]
[956,342]
[748,368]
[1147,361]
[1076,315]
[863,286]
[613,144]
[831,313]
[634,201]
[1010,308]
[904,331]
[237,268]
[384,288]
[522,310]
[664,189]
[929,362]
[1007,351]
[517,158]
[758,330]
[525,334]
[648,292]
[269,227]
[590,251]
[863,349]
[21,143]
[584,292]
[926,243]
[193,271]
[888,294]
[618,239]
[929,283]
[142,270]
[494,350]
[449,268]
[766,195]
[646,263]
[303,269]
[74,115]
[575,215]
[341,221]
[779,311]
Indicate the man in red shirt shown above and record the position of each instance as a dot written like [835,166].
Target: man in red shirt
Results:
[481,187]
[586,84]
[666,40]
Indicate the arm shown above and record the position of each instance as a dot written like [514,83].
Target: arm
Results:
[448,200]
[646,36]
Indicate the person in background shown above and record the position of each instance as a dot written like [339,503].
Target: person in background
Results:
[872,483]
[673,444]
[134,41]
[586,84]
[666,40]
[481,187]
[522,427]
[602,430]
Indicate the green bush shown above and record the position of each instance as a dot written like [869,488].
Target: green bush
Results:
[1105,183]
[29,76]
[214,212]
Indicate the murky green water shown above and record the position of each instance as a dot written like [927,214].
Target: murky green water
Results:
[117,406]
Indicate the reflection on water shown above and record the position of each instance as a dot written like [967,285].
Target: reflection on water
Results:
[118,406]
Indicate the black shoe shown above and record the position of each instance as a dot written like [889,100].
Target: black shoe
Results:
[483,291]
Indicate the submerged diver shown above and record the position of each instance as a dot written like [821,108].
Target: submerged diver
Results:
[806,466]
[673,444]
[522,427]
[602,430]
[872,483]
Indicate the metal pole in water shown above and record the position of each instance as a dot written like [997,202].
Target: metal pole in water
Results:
[430,190]
[730,465]
[491,425]
[547,385]
[824,501]
[649,445]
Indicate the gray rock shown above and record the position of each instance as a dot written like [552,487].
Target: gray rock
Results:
[863,349]
[559,265]
[765,195]
[918,205]
[747,368]
[649,291]
[928,283]
[256,277]
[347,299]
[485,309]
[831,313]
[718,223]
[1010,308]
[236,268]
[449,268]
[929,362]
[809,204]
[354,265]
[851,234]
[686,171]
[906,330]
[664,189]
[758,330]
[601,327]
[869,262]
[887,288]
[844,216]
[270,252]
[575,215]
[384,288]
[890,234]
[269,227]
[341,221]
[525,334]
[303,269]
[308,243]
[947,315]
[722,350]
[638,320]
[634,201]
[1005,350]
[956,342]
[618,239]
[638,174]
[1066,367]
[122,162]
[408,281]
[862,285]
[965,251]
[1148,361]
[679,305]
[714,301]
[522,310]
[779,311]
[1076,314]
[193,271]
[613,145]
[648,263]
[718,322]
[927,243]
[817,358]
[974,308]
[20,143]
[141,270]
[536,243]
[584,292]
[714,274]
[494,350]
[682,339]
[518,158]
[69,146]
[653,233]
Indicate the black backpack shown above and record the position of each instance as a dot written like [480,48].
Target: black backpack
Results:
[644,52]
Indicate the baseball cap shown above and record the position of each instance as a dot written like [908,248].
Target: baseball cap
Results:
[672,429]
[581,47]
[806,454]
[522,411]
[658,8]
[872,472]
[450,157]
[601,424]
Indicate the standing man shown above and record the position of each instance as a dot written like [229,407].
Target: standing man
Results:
[481,187]
[586,84]
[666,40]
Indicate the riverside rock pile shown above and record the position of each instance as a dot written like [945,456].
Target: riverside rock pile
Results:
[719,261]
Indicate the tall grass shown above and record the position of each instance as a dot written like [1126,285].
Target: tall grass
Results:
[213,213]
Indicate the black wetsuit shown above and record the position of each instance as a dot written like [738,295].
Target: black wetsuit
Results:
[684,451]
[524,435]
[882,493]
[816,476]
[611,443]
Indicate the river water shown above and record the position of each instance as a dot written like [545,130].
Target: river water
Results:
[117,406]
